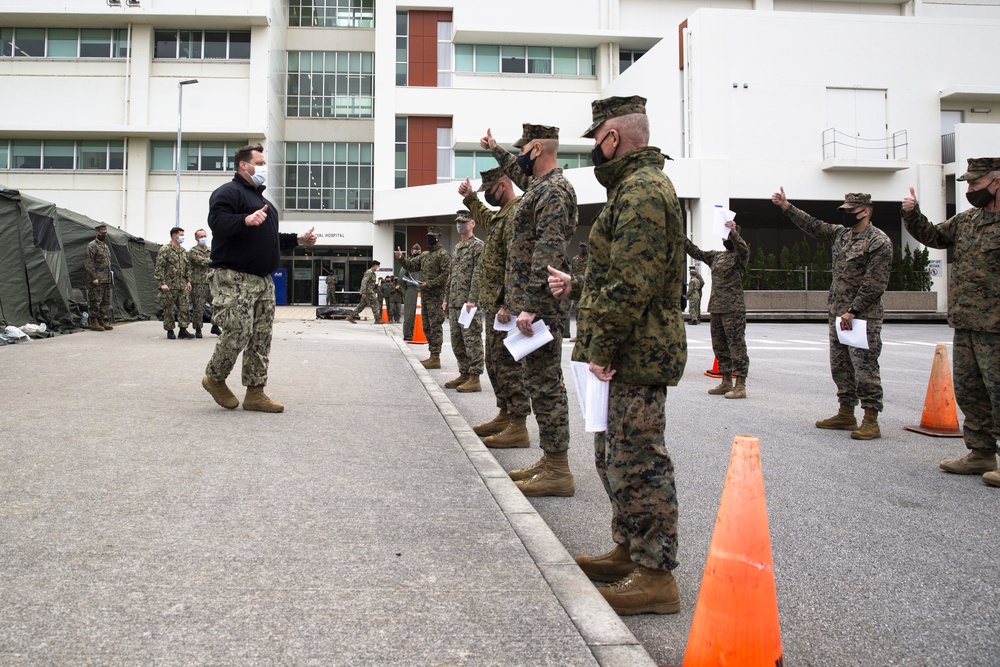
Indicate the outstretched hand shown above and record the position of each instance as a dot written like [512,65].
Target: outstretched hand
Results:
[780,200]
[910,203]
[488,142]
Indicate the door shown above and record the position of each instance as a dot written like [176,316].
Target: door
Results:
[303,280]
[858,117]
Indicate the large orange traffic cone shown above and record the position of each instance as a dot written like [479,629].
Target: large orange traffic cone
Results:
[714,373]
[940,416]
[385,312]
[736,618]
[418,327]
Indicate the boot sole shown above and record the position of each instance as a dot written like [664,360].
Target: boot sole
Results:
[838,428]
[541,493]
[965,472]
[259,409]
[484,431]
[469,391]
[866,437]
[508,445]
[663,608]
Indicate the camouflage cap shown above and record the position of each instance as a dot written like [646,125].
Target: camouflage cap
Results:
[101,226]
[979,167]
[463,215]
[416,247]
[856,199]
[612,107]
[434,231]
[531,132]
[693,269]
[490,178]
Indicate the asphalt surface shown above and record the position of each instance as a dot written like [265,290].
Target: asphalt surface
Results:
[142,524]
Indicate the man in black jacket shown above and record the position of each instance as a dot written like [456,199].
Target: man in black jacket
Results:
[246,249]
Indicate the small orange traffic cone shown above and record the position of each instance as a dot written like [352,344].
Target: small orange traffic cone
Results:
[736,617]
[714,373]
[385,312]
[940,415]
[418,327]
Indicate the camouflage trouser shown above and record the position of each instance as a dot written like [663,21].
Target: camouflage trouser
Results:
[395,306]
[201,294]
[729,342]
[99,300]
[409,312]
[175,303]
[243,307]
[331,296]
[855,371]
[506,375]
[977,386]
[467,344]
[433,319]
[638,475]
[368,301]
[543,381]
[694,306]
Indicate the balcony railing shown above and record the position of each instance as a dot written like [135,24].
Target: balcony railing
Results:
[840,145]
[947,148]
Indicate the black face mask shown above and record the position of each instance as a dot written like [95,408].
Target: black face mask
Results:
[850,219]
[981,198]
[597,155]
[526,163]
[431,241]
[729,245]
[492,199]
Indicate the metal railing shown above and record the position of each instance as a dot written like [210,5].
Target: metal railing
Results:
[947,148]
[838,144]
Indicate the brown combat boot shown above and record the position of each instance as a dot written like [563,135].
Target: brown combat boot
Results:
[992,478]
[453,383]
[433,361]
[95,324]
[495,425]
[105,325]
[740,390]
[514,436]
[844,420]
[554,479]
[220,392]
[644,591]
[470,385]
[869,426]
[976,462]
[610,567]
[257,400]
[529,472]
[350,318]
[723,387]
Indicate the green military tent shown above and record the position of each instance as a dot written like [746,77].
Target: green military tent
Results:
[42,274]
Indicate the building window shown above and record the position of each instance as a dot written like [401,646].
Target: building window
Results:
[400,152]
[63,43]
[444,155]
[574,160]
[402,48]
[195,155]
[328,176]
[444,54]
[202,44]
[62,154]
[626,58]
[331,13]
[540,60]
[331,84]
[470,164]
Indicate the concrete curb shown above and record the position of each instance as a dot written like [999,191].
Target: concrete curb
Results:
[607,637]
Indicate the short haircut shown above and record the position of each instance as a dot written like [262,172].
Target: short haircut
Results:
[375,262]
[200,230]
[244,153]
[633,125]
[174,230]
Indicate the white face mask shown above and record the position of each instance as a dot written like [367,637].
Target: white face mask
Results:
[180,240]
[203,241]
[259,174]
[462,228]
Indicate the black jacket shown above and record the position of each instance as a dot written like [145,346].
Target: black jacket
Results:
[236,246]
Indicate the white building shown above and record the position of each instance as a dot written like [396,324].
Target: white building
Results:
[371,111]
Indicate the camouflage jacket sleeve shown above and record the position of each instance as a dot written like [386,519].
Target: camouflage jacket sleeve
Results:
[923,230]
[741,248]
[693,251]
[411,264]
[814,227]
[437,270]
[475,286]
[90,263]
[531,292]
[480,213]
[508,162]
[160,271]
[199,258]
[876,278]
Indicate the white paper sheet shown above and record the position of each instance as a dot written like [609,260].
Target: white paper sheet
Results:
[581,369]
[857,336]
[593,396]
[465,317]
[722,216]
[500,326]
[521,346]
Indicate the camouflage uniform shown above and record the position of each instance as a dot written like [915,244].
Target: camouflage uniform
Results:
[973,309]
[466,343]
[506,375]
[172,271]
[578,267]
[695,286]
[435,266]
[409,301]
[369,296]
[861,265]
[98,265]
[630,319]
[199,257]
[331,289]
[544,222]
[395,301]
[729,311]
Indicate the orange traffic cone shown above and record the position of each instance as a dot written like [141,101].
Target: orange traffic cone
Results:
[940,416]
[385,313]
[714,373]
[736,617]
[418,327]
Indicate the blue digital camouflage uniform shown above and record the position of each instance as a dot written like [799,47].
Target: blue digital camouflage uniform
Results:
[172,270]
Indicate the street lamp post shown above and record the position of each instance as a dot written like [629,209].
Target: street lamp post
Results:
[177,157]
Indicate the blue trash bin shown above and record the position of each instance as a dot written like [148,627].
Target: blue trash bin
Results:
[280,277]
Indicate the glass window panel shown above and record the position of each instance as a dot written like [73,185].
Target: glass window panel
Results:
[367,63]
[539,60]
[6,42]
[484,161]
[464,58]
[119,47]
[341,150]
[512,59]
[4,155]
[353,153]
[400,74]
[400,180]
[400,159]
[330,153]
[444,56]
[355,59]
[212,155]
[487,58]
[25,154]
[190,44]
[166,44]
[189,155]
[116,149]
[58,155]
[586,62]
[444,31]
[163,156]
[565,60]
[230,158]
[239,45]
[29,42]
[464,165]
[95,43]
[401,129]
[215,44]
[62,42]
[366,154]
[293,61]
[402,19]
[92,155]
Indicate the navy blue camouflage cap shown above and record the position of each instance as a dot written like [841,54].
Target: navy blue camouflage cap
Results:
[490,178]
[979,167]
[531,132]
[612,107]
[434,231]
[856,199]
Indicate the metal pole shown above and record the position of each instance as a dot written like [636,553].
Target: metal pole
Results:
[177,155]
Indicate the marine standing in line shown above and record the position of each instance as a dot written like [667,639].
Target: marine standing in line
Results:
[695,285]
[410,295]
[369,295]
[729,311]
[172,274]
[508,428]
[199,257]
[434,266]
[395,299]
[973,311]
[331,288]
[631,334]
[98,265]
[544,222]
[862,260]
[466,343]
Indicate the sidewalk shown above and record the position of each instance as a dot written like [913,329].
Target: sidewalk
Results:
[366,525]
